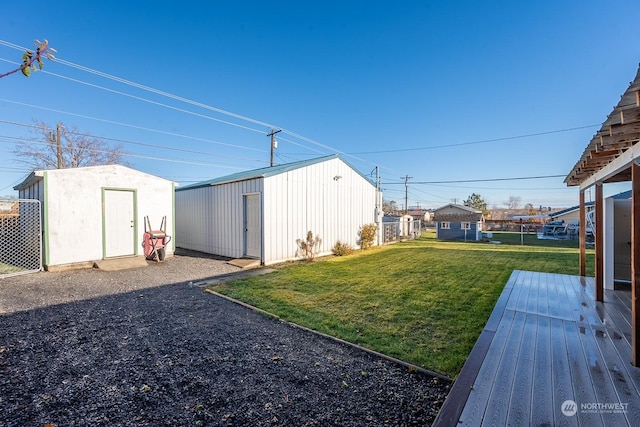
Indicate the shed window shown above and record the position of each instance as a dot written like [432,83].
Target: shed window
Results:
[466,226]
[445,225]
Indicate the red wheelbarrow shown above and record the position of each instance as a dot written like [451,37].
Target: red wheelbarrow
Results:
[154,242]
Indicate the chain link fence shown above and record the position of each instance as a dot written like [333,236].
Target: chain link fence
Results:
[20,237]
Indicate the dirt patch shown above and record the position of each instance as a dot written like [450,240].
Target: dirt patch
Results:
[146,347]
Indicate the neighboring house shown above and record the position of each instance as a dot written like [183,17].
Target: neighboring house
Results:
[570,215]
[97,212]
[458,222]
[421,214]
[261,213]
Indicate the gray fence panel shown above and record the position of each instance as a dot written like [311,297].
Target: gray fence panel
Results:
[20,237]
[393,231]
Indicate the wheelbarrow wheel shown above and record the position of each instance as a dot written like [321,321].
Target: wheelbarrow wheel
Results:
[161,254]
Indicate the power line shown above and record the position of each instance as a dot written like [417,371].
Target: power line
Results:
[482,180]
[139,98]
[484,141]
[169,107]
[172,96]
[249,119]
[261,123]
[143,87]
[124,141]
[139,156]
[53,110]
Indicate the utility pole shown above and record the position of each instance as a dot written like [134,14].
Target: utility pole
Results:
[274,143]
[379,209]
[406,192]
[59,147]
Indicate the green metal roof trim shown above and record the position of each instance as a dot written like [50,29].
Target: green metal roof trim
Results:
[267,172]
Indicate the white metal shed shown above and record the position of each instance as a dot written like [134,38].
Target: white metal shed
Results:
[97,212]
[261,213]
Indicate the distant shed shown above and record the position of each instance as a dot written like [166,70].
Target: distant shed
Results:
[458,222]
[97,212]
[261,213]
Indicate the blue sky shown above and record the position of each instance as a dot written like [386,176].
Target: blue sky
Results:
[438,91]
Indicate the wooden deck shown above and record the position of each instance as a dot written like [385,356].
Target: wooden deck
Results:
[548,342]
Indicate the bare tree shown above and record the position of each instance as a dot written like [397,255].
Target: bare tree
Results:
[390,207]
[73,150]
[513,202]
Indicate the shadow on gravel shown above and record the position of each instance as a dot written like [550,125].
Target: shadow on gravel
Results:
[175,355]
[44,289]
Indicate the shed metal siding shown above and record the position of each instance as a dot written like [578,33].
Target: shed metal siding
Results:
[33,191]
[210,219]
[330,199]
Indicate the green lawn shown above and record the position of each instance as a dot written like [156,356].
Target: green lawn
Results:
[422,301]
[7,268]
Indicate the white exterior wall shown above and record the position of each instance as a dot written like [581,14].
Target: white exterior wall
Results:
[211,219]
[309,198]
[73,214]
[608,221]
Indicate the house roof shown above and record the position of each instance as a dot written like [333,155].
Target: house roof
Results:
[267,172]
[31,179]
[620,196]
[569,210]
[619,132]
[454,213]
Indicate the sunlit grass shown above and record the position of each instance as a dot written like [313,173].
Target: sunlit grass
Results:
[7,268]
[424,301]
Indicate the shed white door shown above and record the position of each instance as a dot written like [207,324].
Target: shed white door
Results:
[119,223]
[252,226]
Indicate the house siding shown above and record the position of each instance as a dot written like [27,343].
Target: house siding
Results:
[455,231]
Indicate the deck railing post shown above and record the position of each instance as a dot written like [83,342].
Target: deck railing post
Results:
[599,291]
[582,233]
[635,263]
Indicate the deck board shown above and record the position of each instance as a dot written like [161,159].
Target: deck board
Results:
[497,408]
[481,389]
[562,385]
[542,375]
[548,342]
[521,392]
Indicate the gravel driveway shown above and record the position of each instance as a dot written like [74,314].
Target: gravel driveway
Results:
[144,347]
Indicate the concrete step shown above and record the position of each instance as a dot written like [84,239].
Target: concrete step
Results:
[124,263]
[245,263]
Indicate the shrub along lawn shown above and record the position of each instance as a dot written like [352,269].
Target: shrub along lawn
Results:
[422,301]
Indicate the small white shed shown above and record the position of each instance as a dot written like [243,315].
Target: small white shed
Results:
[97,212]
[261,213]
